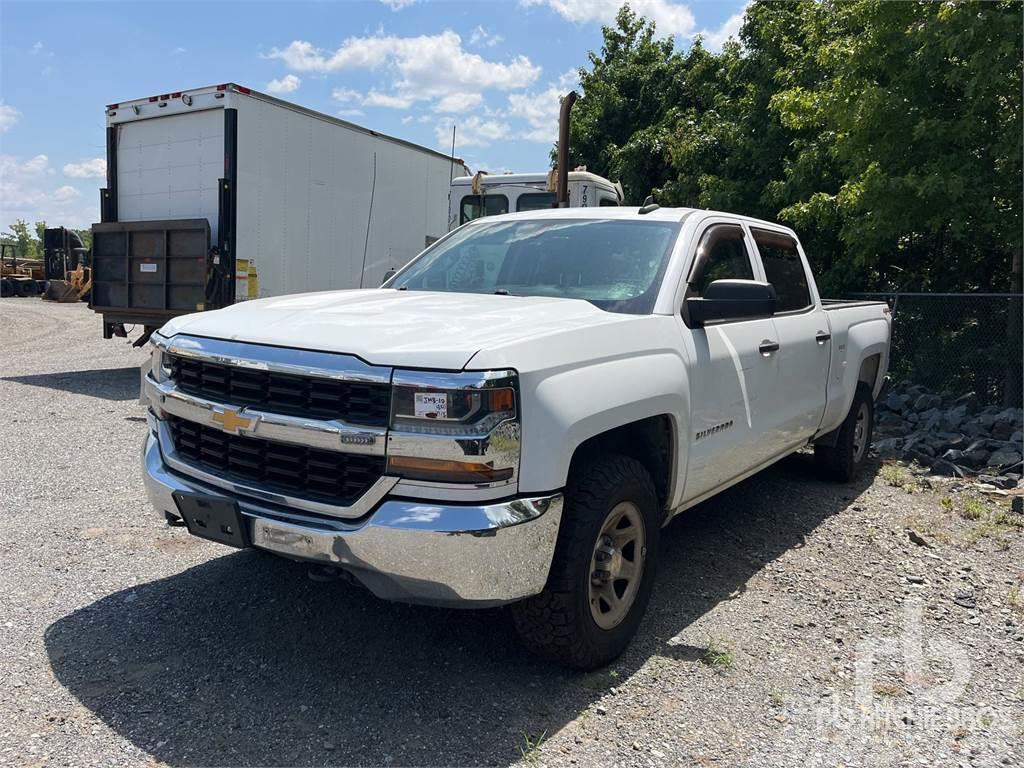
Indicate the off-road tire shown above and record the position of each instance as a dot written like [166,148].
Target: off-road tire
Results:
[557,624]
[841,462]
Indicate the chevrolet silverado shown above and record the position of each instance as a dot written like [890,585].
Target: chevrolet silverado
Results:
[515,415]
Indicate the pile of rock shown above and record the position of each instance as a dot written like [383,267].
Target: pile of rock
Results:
[953,436]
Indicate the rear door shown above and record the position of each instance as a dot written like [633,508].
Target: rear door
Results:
[169,167]
[801,330]
[732,383]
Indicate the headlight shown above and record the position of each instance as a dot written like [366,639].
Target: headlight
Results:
[456,428]
[160,365]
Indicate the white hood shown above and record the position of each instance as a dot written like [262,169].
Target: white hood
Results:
[411,329]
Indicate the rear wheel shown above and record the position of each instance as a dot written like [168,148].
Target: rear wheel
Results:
[603,568]
[843,460]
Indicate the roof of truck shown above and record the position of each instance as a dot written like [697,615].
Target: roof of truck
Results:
[628,212]
[161,100]
[540,177]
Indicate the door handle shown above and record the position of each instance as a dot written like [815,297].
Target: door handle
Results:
[768,346]
[822,337]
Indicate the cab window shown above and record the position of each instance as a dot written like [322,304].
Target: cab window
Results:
[784,269]
[721,255]
[608,201]
[475,206]
[535,201]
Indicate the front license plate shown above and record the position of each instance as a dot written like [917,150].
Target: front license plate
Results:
[213,518]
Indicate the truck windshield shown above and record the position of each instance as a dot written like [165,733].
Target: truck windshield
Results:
[616,265]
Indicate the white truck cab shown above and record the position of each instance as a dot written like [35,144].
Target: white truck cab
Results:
[514,415]
[473,197]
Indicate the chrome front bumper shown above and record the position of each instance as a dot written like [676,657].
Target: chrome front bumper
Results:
[412,551]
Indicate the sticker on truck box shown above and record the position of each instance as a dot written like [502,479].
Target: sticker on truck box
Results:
[147,267]
[430,405]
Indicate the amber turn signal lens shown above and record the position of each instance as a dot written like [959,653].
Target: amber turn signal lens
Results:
[500,400]
[415,468]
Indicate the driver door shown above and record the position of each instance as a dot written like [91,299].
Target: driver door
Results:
[731,378]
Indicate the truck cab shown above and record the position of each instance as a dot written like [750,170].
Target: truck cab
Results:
[473,197]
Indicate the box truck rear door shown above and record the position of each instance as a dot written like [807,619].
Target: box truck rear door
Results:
[168,167]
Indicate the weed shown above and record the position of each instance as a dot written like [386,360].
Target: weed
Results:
[1014,599]
[888,689]
[896,476]
[775,697]
[717,655]
[947,504]
[530,749]
[972,509]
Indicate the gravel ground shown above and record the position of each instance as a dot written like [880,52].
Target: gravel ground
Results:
[124,642]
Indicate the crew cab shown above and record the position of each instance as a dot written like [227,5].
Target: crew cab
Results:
[514,416]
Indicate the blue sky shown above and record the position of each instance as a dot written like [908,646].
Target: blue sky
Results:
[410,68]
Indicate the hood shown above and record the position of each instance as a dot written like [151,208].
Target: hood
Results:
[411,329]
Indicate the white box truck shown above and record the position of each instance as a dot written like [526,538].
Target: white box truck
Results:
[220,194]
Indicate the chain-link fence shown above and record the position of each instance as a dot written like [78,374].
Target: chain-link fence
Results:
[958,343]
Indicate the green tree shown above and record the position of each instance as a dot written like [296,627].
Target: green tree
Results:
[26,246]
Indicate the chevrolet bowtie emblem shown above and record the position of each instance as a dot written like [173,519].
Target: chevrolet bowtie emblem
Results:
[232,422]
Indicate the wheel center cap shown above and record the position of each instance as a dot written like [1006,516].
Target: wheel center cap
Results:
[615,564]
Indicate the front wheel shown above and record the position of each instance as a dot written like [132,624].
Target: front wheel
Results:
[603,568]
[843,460]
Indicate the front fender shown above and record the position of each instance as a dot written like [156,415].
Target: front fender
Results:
[565,408]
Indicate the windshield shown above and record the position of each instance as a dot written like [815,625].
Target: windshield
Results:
[614,264]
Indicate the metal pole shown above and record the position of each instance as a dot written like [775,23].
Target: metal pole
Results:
[562,188]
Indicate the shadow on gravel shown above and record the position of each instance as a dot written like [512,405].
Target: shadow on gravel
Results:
[107,383]
[244,661]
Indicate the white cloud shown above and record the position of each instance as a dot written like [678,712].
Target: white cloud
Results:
[37,48]
[424,67]
[482,37]
[26,193]
[670,18]
[350,112]
[286,84]
[95,168]
[471,132]
[459,102]
[65,193]
[345,95]
[8,117]
[390,101]
[397,5]
[540,109]
[179,51]
[730,28]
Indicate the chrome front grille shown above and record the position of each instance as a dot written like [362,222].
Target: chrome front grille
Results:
[353,402]
[327,477]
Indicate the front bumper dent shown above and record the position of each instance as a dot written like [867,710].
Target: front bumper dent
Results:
[412,551]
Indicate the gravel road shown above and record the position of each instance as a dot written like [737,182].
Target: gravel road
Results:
[125,642]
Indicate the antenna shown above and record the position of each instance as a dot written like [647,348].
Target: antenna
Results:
[451,167]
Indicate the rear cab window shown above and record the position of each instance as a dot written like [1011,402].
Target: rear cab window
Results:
[477,206]
[535,201]
[784,269]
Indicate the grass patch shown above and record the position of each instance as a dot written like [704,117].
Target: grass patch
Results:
[718,655]
[776,697]
[947,504]
[530,748]
[972,509]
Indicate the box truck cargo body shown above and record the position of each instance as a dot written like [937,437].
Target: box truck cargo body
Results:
[223,194]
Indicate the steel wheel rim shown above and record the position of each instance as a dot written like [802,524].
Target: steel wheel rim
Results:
[860,432]
[617,565]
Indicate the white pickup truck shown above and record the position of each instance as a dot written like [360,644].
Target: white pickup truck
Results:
[514,416]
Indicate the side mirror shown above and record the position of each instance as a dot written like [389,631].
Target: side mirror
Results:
[732,300]
[388,275]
